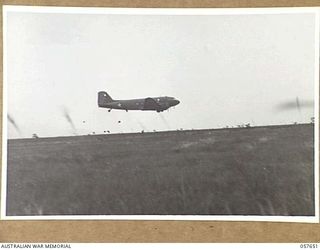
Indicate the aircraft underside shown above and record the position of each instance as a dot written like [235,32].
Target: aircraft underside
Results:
[138,109]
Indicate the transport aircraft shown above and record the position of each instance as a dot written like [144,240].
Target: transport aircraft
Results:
[158,104]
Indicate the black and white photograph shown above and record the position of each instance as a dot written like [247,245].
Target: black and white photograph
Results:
[179,114]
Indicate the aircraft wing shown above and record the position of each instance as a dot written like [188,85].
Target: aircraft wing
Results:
[151,104]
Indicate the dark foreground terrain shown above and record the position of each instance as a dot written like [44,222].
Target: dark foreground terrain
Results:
[247,171]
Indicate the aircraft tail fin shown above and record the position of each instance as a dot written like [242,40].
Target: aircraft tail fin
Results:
[103,98]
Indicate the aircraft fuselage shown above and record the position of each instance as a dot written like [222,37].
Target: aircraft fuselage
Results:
[150,103]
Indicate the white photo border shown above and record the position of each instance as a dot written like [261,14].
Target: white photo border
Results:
[162,11]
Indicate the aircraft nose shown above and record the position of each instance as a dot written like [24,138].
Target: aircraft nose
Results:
[175,102]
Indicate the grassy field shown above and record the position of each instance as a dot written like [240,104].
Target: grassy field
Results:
[243,171]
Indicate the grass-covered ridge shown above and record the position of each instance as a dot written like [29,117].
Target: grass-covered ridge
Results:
[246,171]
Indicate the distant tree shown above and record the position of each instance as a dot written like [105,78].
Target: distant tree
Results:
[35,136]
[312,119]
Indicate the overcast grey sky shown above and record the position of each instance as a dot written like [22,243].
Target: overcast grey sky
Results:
[226,70]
